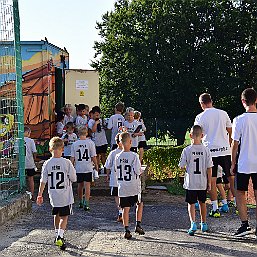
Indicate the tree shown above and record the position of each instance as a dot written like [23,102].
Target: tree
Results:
[160,55]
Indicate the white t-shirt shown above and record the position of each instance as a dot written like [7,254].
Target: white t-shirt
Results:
[142,138]
[80,121]
[99,138]
[128,169]
[67,119]
[214,123]
[109,164]
[71,139]
[30,148]
[197,159]
[83,151]
[115,122]
[59,174]
[59,127]
[131,127]
[244,130]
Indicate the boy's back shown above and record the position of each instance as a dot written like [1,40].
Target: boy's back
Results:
[197,159]
[59,173]
[115,122]
[30,148]
[83,151]
[128,169]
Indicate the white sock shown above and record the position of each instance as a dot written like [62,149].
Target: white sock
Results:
[224,201]
[60,232]
[214,205]
[235,201]
[120,212]
[56,232]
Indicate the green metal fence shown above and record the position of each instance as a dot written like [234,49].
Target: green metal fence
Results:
[12,176]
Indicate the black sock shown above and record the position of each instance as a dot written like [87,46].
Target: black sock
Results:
[126,228]
[138,223]
[245,223]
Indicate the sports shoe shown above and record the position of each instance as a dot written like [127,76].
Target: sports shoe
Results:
[60,242]
[127,234]
[192,229]
[204,227]
[81,205]
[243,230]
[231,204]
[86,208]
[224,208]
[119,219]
[139,230]
[214,214]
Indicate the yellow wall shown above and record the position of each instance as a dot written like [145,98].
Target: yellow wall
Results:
[75,96]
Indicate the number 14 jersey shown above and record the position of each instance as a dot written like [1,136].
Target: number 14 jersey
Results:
[128,170]
[197,159]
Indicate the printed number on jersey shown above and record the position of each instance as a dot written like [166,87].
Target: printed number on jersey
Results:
[82,156]
[127,176]
[197,166]
[56,180]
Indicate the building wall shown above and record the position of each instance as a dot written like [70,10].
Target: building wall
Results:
[77,92]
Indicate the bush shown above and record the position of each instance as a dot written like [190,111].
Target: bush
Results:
[163,162]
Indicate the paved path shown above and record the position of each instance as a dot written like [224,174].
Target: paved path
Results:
[96,233]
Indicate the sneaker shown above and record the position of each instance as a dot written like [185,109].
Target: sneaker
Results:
[231,204]
[192,229]
[60,242]
[204,227]
[214,214]
[86,208]
[139,230]
[127,234]
[224,208]
[81,205]
[243,230]
[119,219]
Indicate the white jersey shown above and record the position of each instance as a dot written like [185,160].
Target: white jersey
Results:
[197,159]
[80,121]
[142,138]
[115,122]
[98,137]
[68,119]
[244,130]
[59,127]
[109,164]
[83,151]
[214,123]
[59,174]
[71,139]
[128,169]
[30,148]
[131,127]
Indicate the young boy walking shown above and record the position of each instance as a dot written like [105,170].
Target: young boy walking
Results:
[83,153]
[197,161]
[69,138]
[128,170]
[59,174]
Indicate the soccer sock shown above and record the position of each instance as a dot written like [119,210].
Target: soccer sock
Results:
[138,223]
[214,205]
[86,203]
[120,212]
[235,201]
[56,232]
[245,223]
[126,228]
[60,232]
[224,201]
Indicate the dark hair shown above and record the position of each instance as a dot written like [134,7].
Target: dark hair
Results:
[250,96]
[96,109]
[27,129]
[119,107]
[205,98]
[70,125]
[60,116]
[197,130]
[80,107]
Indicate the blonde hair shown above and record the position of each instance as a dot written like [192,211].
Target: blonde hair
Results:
[124,137]
[83,131]
[56,143]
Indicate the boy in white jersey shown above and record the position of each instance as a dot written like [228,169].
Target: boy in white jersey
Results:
[31,153]
[81,119]
[59,173]
[131,125]
[83,153]
[69,138]
[67,117]
[244,135]
[115,122]
[128,170]
[111,176]
[217,130]
[196,158]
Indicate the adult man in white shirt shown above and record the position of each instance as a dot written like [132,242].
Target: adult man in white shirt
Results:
[217,129]
[244,135]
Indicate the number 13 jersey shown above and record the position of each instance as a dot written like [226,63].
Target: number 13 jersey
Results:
[197,159]
[127,170]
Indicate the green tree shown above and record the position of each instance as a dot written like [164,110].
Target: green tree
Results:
[159,55]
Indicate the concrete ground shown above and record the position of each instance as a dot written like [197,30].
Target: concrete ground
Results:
[96,233]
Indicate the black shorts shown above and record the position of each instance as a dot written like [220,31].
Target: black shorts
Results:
[222,179]
[130,201]
[192,196]
[114,191]
[114,146]
[30,172]
[84,177]
[101,149]
[133,149]
[242,181]
[62,211]
[224,162]
[142,144]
